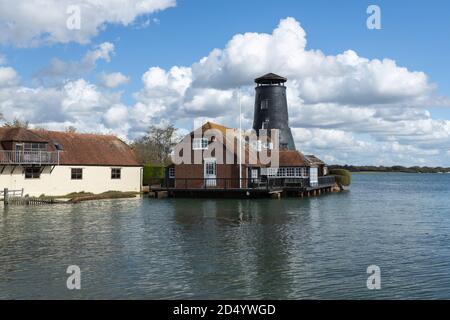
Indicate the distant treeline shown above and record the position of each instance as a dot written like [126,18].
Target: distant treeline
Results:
[391,169]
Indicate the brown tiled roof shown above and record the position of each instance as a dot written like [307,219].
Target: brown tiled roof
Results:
[313,159]
[81,148]
[19,134]
[228,137]
[292,158]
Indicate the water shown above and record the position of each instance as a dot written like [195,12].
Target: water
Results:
[237,249]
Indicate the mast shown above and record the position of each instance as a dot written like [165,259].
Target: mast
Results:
[240,139]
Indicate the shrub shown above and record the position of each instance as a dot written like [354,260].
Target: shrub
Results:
[343,177]
[153,174]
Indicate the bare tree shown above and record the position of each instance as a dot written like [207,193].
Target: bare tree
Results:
[155,146]
[17,123]
[71,129]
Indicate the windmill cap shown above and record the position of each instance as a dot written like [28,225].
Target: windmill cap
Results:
[270,78]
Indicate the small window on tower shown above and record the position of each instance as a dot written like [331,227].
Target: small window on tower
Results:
[265,124]
[265,104]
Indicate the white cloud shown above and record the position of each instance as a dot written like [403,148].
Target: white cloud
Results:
[36,22]
[113,80]
[345,108]
[61,70]
[345,78]
[116,115]
[8,77]
[333,98]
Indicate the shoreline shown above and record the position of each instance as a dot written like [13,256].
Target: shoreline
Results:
[375,172]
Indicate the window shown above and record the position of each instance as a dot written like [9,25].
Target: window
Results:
[58,147]
[32,173]
[115,173]
[210,168]
[265,124]
[304,171]
[290,172]
[269,171]
[265,104]
[256,145]
[35,147]
[200,144]
[77,173]
[172,172]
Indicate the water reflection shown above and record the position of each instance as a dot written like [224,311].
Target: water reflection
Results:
[252,238]
[265,248]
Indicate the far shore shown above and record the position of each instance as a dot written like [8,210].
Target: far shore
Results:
[375,172]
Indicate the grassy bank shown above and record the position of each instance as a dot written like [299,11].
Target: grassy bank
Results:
[86,196]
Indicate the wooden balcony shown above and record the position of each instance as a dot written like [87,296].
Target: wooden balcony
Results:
[29,157]
[270,183]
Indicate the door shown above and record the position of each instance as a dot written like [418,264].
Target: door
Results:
[18,154]
[210,172]
[254,175]
[313,177]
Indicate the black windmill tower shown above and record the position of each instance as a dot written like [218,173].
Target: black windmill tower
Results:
[271,111]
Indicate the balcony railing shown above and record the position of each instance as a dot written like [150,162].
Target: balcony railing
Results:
[270,183]
[29,157]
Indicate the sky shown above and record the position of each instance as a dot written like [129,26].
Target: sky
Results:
[356,95]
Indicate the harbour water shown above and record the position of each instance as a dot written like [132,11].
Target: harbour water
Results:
[237,249]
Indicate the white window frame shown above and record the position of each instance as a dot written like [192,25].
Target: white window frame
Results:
[172,172]
[200,143]
[286,172]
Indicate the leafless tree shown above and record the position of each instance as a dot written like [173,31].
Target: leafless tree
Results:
[155,146]
[17,123]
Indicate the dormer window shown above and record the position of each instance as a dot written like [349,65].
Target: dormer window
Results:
[58,147]
[200,143]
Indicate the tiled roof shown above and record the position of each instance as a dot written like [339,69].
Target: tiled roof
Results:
[79,148]
[19,135]
[313,159]
[292,158]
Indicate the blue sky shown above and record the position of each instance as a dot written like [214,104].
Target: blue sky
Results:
[414,35]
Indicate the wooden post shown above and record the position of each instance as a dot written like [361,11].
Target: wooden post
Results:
[5,196]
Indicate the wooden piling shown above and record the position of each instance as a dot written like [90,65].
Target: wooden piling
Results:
[5,196]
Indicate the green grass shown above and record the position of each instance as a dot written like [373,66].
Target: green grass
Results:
[84,196]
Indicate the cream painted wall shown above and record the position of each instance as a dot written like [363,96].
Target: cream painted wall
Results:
[96,179]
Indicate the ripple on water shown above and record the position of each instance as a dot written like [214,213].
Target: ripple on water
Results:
[240,249]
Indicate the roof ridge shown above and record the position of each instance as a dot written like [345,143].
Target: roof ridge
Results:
[74,133]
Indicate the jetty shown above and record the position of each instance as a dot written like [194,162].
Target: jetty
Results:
[251,188]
